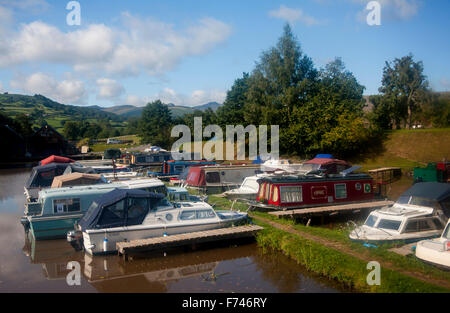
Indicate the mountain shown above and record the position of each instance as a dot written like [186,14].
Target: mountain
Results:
[54,113]
[127,111]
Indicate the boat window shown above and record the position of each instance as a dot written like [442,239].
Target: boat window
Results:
[188,215]
[423,224]
[212,177]
[179,168]
[371,220]
[445,205]
[156,189]
[340,191]
[113,214]
[275,194]
[267,193]
[446,233]
[389,224]
[291,194]
[261,190]
[66,205]
[205,214]
[137,207]
[403,200]
[90,211]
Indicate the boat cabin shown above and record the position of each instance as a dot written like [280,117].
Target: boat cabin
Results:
[178,194]
[324,165]
[41,177]
[77,179]
[420,212]
[174,168]
[217,179]
[301,191]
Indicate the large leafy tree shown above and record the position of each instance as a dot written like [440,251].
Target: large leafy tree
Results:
[155,124]
[404,87]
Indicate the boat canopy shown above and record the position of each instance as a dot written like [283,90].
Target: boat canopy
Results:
[42,176]
[118,208]
[55,159]
[77,179]
[324,156]
[429,190]
[196,176]
[79,168]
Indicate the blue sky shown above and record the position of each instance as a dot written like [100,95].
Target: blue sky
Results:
[190,52]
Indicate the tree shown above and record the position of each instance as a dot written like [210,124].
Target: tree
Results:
[404,85]
[232,110]
[71,130]
[24,124]
[155,124]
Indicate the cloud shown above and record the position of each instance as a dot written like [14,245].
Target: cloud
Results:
[294,15]
[26,4]
[68,91]
[1,87]
[109,89]
[444,83]
[139,46]
[197,97]
[391,10]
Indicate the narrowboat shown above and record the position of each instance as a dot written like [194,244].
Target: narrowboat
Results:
[436,251]
[125,215]
[420,212]
[217,179]
[285,192]
[175,168]
[56,210]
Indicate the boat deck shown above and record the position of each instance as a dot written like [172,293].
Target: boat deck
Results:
[124,249]
[331,209]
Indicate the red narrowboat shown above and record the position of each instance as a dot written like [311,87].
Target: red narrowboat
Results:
[302,191]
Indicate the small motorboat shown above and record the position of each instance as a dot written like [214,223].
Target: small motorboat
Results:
[125,215]
[436,251]
[247,191]
[420,213]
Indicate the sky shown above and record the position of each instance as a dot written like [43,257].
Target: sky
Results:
[189,52]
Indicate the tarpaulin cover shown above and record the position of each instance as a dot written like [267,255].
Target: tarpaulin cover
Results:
[55,159]
[120,207]
[77,179]
[196,177]
[429,190]
[78,168]
[42,176]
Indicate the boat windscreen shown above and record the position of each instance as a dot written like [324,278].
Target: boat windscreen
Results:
[389,224]
[371,220]
[446,233]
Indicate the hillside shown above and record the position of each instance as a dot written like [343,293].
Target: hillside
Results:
[53,112]
[127,111]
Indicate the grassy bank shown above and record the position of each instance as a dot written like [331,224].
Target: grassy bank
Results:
[330,253]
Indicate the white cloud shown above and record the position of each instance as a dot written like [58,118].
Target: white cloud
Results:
[68,91]
[1,87]
[197,97]
[109,89]
[141,45]
[26,4]
[445,83]
[294,15]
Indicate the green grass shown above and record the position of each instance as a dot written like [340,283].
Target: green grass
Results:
[342,268]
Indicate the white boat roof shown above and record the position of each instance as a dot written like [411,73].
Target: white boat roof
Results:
[404,210]
[78,189]
[142,183]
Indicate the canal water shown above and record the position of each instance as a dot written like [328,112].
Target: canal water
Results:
[30,266]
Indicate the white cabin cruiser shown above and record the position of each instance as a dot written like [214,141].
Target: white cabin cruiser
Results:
[248,189]
[420,213]
[125,215]
[273,165]
[436,251]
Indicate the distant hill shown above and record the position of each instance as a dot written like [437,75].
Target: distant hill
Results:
[127,111]
[54,113]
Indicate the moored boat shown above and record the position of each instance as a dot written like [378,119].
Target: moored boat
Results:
[248,190]
[285,192]
[436,251]
[125,215]
[420,212]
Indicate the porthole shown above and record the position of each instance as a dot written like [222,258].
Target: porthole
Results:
[169,217]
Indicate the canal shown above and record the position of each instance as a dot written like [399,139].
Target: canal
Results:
[30,266]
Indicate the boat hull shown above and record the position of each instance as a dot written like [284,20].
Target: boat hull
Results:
[94,242]
[432,252]
[44,228]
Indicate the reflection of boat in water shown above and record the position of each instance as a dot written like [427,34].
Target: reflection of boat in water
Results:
[110,274]
[53,255]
